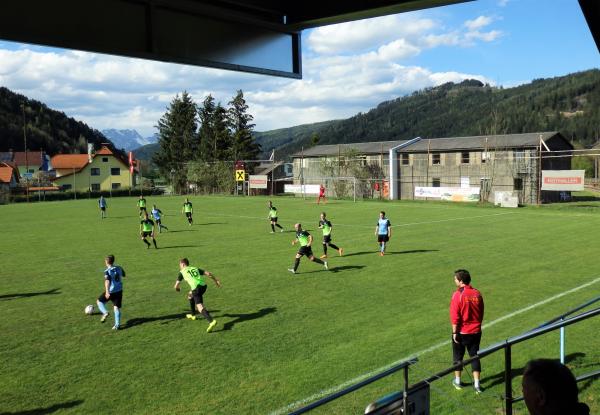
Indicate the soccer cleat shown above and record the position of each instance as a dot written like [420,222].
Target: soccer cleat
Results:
[323,256]
[457,386]
[103,318]
[281,230]
[341,251]
[478,390]
[272,232]
[115,327]
[381,253]
[190,316]
[211,326]
[325,264]
[291,270]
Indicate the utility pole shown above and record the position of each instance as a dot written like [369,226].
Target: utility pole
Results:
[25,147]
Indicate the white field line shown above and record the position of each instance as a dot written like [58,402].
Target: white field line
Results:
[364,376]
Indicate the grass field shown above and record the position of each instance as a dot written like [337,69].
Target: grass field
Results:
[281,338]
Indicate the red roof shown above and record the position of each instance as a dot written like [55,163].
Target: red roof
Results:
[34,158]
[104,151]
[6,173]
[69,161]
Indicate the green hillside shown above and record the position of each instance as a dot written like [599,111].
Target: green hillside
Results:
[569,104]
[47,129]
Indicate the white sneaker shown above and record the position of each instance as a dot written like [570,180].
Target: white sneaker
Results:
[103,318]
[281,230]
[291,270]
[325,264]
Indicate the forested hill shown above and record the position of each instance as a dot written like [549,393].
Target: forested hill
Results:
[569,104]
[47,129]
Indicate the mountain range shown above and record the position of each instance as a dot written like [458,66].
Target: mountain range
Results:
[128,139]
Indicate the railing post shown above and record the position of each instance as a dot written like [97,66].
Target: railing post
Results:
[405,392]
[562,343]
[508,380]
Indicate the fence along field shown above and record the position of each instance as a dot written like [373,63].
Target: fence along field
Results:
[280,338]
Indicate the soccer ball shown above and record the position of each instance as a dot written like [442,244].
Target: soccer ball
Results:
[89,310]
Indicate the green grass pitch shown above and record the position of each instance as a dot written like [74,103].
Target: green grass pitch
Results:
[280,338]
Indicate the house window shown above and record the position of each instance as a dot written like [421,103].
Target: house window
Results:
[435,182]
[485,157]
[405,159]
[31,171]
[66,187]
[115,171]
[104,159]
[95,171]
[116,186]
[518,154]
[95,187]
[464,157]
[435,158]
[518,183]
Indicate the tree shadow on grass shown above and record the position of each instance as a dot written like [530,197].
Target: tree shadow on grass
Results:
[183,230]
[163,319]
[498,378]
[6,297]
[46,410]
[360,253]
[346,268]
[239,318]
[211,223]
[177,246]
[413,251]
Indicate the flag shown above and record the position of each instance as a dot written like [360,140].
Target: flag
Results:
[130,162]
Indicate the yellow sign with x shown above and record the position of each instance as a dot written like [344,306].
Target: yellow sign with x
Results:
[240,175]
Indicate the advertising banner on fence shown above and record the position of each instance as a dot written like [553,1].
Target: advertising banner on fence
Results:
[311,189]
[258,181]
[454,194]
[565,180]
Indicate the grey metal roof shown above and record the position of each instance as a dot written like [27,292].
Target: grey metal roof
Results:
[374,147]
[526,140]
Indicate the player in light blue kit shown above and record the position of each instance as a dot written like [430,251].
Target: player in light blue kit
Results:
[113,290]
[383,230]
[157,215]
[102,205]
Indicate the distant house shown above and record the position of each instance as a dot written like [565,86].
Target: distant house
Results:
[100,171]
[9,176]
[29,163]
[495,163]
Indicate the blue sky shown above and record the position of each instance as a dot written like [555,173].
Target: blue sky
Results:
[348,68]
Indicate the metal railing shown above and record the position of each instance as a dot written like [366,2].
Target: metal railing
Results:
[556,323]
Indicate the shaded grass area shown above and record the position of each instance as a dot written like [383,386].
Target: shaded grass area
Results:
[281,338]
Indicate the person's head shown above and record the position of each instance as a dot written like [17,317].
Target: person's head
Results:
[109,260]
[101,197]
[186,200]
[153,206]
[462,277]
[323,215]
[549,388]
[382,214]
[141,197]
[298,227]
[270,203]
[183,262]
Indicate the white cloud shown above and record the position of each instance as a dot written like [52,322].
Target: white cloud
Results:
[478,23]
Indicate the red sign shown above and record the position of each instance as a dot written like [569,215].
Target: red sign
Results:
[562,180]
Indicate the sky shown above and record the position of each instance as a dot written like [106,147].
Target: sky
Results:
[347,68]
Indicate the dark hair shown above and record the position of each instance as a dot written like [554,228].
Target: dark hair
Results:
[324,214]
[463,276]
[557,382]
[184,261]
[382,212]
[110,259]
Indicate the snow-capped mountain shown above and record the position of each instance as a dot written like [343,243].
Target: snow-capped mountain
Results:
[128,139]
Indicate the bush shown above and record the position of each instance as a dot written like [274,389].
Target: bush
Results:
[54,196]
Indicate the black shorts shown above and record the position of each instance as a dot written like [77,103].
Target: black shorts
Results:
[197,294]
[158,221]
[142,209]
[145,234]
[102,208]
[115,298]
[305,250]
[326,239]
[470,343]
[188,215]
[274,220]
[383,238]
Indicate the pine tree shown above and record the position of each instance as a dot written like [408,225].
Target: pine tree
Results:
[178,140]
[206,114]
[221,133]
[243,147]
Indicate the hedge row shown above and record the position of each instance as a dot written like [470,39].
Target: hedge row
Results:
[53,196]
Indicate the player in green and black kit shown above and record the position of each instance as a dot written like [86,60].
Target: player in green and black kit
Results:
[142,205]
[273,217]
[195,278]
[305,239]
[326,226]
[147,229]
[188,210]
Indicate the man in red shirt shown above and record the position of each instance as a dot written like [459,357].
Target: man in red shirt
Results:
[466,315]
[321,194]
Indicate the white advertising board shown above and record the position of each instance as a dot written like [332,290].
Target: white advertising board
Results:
[454,194]
[311,189]
[566,180]
[259,181]
[464,182]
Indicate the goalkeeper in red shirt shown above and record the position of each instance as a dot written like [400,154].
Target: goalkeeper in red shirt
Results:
[466,315]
